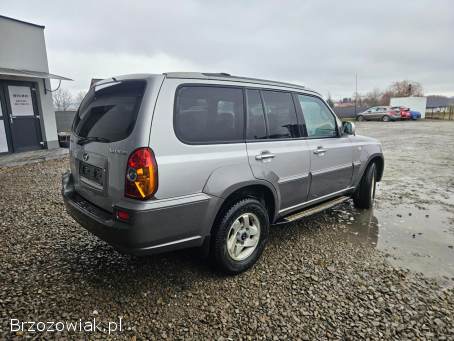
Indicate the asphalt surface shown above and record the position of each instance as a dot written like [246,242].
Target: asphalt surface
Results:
[323,278]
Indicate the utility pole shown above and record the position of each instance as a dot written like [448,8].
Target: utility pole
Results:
[356,91]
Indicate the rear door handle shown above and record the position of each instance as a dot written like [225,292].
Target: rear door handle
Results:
[320,150]
[264,155]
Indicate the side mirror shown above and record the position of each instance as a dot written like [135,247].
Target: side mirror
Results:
[348,128]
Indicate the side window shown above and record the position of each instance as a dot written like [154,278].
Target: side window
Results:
[280,115]
[320,122]
[256,128]
[209,114]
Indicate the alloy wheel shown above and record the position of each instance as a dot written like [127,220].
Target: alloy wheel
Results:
[243,236]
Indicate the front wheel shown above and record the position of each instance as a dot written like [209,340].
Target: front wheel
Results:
[364,195]
[360,118]
[385,118]
[240,236]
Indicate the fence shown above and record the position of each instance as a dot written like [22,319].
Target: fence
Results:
[446,115]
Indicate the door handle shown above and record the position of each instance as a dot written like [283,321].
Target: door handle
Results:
[11,118]
[320,150]
[264,155]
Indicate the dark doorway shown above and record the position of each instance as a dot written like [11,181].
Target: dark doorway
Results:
[20,115]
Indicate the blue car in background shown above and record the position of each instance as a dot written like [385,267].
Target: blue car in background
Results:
[415,115]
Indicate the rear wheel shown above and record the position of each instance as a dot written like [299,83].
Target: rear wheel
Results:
[385,118]
[240,236]
[360,118]
[364,195]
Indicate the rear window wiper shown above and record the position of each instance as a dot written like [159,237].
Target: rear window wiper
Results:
[85,140]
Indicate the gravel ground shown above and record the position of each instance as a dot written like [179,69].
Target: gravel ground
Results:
[311,283]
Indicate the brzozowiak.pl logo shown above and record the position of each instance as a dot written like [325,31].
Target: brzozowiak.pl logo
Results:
[80,326]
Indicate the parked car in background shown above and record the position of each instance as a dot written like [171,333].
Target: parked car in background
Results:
[404,112]
[165,162]
[380,113]
[415,115]
[407,113]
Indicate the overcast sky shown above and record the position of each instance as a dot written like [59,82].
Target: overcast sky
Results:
[320,44]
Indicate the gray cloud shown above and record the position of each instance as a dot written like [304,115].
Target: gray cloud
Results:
[320,44]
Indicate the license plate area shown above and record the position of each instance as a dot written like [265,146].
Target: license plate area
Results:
[91,175]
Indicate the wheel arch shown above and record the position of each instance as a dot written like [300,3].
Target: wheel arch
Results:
[258,190]
[376,158]
[380,164]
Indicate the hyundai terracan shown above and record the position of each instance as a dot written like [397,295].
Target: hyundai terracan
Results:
[163,162]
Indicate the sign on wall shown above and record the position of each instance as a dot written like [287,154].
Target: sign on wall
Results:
[3,141]
[20,98]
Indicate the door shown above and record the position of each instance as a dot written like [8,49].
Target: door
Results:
[368,114]
[3,127]
[275,149]
[331,155]
[379,112]
[22,116]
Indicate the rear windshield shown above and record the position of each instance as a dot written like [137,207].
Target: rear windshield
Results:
[109,111]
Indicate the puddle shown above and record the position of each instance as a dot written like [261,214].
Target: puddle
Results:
[421,240]
[418,180]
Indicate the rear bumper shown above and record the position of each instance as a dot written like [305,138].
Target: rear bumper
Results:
[173,224]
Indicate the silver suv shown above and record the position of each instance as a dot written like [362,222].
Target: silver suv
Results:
[164,162]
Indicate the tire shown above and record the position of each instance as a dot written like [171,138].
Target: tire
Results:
[233,224]
[360,118]
[364,195]
[385,118]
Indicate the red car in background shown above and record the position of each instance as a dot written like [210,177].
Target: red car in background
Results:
[405,113]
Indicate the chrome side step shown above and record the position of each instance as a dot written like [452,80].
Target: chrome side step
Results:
[312,210]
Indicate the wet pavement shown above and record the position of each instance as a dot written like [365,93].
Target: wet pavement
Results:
[413,218]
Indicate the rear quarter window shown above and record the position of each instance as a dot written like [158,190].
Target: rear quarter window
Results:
[110,110]
[209,114]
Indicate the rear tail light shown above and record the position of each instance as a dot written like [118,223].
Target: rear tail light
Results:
[141,175]
[122,215]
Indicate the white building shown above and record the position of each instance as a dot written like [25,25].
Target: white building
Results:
[414,103]
[27,117]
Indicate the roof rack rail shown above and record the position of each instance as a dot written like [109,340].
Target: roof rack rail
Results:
[222,74]
[229,77]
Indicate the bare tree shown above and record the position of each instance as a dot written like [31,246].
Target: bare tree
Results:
[403,88]
[406,88]
[80,96]
[358,99]
[62,99]
[373,98]
[386,97]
